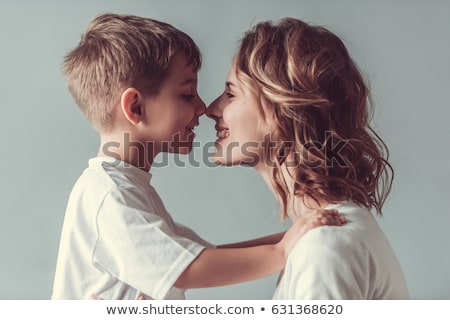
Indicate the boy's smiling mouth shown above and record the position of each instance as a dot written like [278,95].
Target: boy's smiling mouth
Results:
[191,126]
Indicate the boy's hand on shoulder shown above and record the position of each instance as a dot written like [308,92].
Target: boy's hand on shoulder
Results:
[317,218]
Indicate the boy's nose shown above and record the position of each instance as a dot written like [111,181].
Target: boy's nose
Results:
[201,107]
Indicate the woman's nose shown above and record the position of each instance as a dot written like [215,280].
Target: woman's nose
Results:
[213,111]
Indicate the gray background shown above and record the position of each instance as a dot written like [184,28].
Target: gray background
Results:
[403,46]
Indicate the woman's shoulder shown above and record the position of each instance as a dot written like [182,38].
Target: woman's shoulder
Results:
[355,234]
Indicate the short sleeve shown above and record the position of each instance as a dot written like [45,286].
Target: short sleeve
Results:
[189,233]
[322,266]
[137,246]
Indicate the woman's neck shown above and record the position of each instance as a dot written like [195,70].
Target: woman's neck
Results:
[297,206]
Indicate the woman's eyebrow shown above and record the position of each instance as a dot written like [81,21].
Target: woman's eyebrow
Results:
[229,84]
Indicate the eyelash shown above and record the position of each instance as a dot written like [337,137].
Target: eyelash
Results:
[188,97]
[229,95]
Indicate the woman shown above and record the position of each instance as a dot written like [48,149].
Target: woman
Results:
[297,107]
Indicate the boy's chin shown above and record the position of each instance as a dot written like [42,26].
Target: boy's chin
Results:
[184,150]
[181,150]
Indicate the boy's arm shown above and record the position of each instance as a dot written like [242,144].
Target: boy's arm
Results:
[270,239]
[218,267]
[224,266]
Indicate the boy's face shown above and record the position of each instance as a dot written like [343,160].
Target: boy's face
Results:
[173,113]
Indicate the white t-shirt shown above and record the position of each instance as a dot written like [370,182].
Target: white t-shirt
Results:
[353,261]
[118,241]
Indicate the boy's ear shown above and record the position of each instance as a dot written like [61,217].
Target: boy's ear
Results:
[132,105]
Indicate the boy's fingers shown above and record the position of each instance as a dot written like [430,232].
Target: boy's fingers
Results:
[332,212]
[331,220]
[327,221]
[324,217]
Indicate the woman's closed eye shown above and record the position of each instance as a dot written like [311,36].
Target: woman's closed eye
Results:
[229,95]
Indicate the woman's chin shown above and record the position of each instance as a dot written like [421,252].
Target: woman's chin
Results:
[226,162]
[223,161]
[218,161]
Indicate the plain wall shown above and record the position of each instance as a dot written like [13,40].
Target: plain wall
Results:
[402,46]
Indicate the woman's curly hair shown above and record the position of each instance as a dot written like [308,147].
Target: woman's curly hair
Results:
[315,96]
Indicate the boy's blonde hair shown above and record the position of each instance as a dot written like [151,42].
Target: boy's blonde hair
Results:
[121,51]
[312,91]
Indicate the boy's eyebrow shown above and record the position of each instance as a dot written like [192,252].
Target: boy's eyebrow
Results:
[189,81]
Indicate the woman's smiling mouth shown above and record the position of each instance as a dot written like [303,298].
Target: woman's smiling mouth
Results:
[222,134]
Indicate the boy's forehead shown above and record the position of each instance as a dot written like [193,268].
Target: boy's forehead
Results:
[181,71]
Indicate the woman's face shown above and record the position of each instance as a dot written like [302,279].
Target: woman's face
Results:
[241,126]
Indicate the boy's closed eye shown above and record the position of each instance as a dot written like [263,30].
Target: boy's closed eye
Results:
[188,97]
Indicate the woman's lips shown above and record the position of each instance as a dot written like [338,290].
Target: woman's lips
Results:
[222,133]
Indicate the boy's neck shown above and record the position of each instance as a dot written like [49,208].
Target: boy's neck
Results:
[125,147]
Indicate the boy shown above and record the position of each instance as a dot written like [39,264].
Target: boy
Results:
[135,79]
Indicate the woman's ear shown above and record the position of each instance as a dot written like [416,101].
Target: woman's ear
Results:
[132,105]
